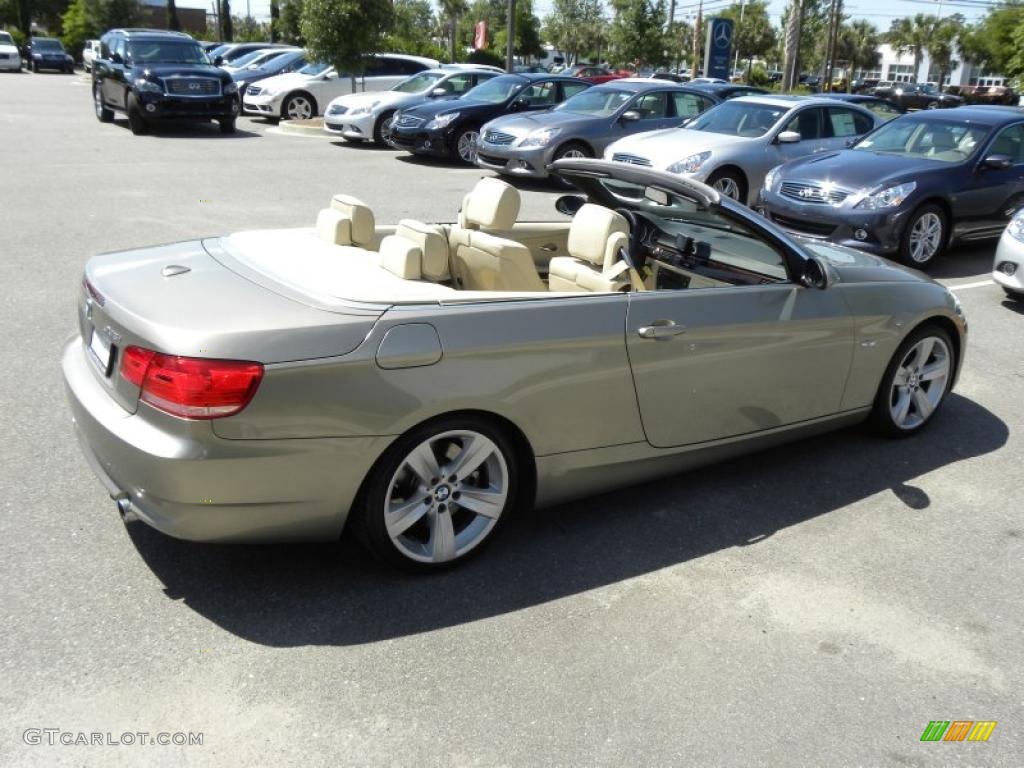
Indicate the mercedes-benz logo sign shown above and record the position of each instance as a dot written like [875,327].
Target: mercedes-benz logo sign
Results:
[193,86]
[723,36]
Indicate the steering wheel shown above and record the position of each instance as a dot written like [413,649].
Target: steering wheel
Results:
[634,253]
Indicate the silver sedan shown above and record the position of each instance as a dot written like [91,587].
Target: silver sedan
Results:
[416,383]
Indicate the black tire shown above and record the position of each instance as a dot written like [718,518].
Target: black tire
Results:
[906,253]
[295,97]
[368,517]
[735,178]
[227,125]
[461,136]
[1012,294]
[35,68]
[881,420]
[379,131]
[103,114]
[135,119]
[570,149]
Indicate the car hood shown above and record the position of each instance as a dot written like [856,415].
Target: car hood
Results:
[671,144]
[853,266]
[385,98]
[5,48]
[861,169]
[182,70]
[522,124]
[433,108]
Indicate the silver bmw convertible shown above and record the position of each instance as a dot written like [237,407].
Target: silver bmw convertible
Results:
[416,383]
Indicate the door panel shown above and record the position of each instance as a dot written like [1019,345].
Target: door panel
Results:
[991,196]
[738,360]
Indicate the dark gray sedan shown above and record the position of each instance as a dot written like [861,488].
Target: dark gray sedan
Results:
[582,126]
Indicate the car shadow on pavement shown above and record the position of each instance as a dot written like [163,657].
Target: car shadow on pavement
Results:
[970,260]
[190,130]
[334,594]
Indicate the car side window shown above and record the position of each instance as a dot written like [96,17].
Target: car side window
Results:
[843,123]
[882,109]
[807,123]
[105,47]
[407,67]
[458,84]
[571,89]
[1010,141]
[483,77]
[651,105]
[119,48]
[689,105]
[539,94]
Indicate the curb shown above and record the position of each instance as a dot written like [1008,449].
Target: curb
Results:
[314,127]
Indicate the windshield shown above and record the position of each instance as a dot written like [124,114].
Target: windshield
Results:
[497,90]
[47,45]
[596,102]
[944,141]
[241,61]
[265,57]
[314,68]
[739,119]
[166,52]
[418,83]
[6,39]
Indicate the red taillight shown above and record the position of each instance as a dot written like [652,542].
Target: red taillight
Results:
[191,387]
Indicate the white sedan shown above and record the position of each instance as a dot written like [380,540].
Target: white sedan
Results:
[1008,268]
[305,94]
[367,116]
[10,56]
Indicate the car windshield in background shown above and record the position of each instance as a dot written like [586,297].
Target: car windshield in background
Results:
[6,39]
[739,119]
[497,90]
[165,52]
[46,45]
[599,103]
[418,83]
[249,58]
[944,141]
[314,68]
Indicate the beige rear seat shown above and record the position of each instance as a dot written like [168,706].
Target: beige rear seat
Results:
[349,221]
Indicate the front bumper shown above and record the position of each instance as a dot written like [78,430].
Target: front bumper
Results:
[877,232]
[435,143]
[59,65]
[351,126]
[10,62]
[528,162]
[267,106]
[183,480]
[157,106]
[1009,253]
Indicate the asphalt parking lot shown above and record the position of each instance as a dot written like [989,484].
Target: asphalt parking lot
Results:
[818,604]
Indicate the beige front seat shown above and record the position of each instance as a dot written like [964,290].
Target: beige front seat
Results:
[349,221]
[596,236]
[482,261]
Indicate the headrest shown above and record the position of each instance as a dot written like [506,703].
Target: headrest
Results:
[361,216]
[492,204]
[432,243]
[596,235]
[334,227]
[401,257]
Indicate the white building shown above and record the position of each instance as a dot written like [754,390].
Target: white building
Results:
[900,69]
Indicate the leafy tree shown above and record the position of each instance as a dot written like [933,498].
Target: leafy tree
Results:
[79,23]
[637,31]
[248,30]
[754,37]
[944,44]
[576,27]
[452,11]
[342,32]
[994,43]
[412,28]
[678,42]
[813,34]
[912,35]
[527,40]
[289,24]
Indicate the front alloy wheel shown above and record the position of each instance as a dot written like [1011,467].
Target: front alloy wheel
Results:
[466,144]
[438,494]
[924,237]
[915,384]
[299,107]
[103,114]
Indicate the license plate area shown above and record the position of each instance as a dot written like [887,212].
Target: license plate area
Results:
[101,350]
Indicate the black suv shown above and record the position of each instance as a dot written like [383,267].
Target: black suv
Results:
[152,75]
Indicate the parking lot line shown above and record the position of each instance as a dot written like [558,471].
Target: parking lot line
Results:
[967,286]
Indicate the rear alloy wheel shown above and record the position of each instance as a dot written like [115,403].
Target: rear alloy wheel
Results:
[103,114]
[135,119]
[915,383]
[299,106]
[382,128]
[729,184]
[438,494]
[925,236]
[466,145]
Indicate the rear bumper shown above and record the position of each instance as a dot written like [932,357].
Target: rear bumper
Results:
[183,480]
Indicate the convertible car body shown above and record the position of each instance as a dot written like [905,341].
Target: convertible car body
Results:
[416,382]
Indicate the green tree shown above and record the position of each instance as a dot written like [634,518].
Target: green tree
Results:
[451,12]
[577,27]
[247,30]
[813,34]
[342,32]
[636,31]
[912,35]
[944,44]
[411,29]
[754,37]
[527,40]
[289,24]
[79,23]
[678,43]
[994,42]
[858,44]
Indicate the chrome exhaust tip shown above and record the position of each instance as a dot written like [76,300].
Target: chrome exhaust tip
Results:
[124,506]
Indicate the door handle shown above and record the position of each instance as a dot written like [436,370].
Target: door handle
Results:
[660,329]
[550,247]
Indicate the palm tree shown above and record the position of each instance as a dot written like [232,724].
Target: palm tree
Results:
[908,35]
[451,10]
[858,44]
[944,43]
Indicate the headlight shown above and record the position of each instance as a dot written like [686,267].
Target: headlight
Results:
[539,138]
[771,178]
[37,55]
[1016,227]
[441,121]
[890,197]
[231,88]
[689,164]
[364,109]
[147,86]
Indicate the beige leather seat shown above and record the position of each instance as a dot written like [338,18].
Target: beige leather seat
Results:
[482,261]
[596,236]
[349,221]
[416,251]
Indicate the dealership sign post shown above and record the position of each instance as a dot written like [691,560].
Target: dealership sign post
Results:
[718,49]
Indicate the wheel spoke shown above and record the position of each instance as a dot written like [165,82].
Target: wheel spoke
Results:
[486,502]
[924,406]
[442,537]
[936,370]
[900,378]
[902,407]
[474,452]
[423,462]
[924,351]
[405,514]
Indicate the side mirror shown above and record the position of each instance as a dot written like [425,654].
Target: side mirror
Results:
[116,58]
[438,93]
[788,137]
[569,204]
[997,162]
[631,116]
[815,274]
[218,60]
[850,141]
